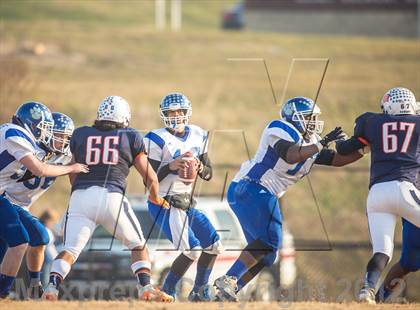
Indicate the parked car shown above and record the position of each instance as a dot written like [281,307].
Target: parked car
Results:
[233,18]
[103,268]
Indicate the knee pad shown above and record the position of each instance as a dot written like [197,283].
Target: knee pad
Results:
[192,254]
[215,249]
[270,258]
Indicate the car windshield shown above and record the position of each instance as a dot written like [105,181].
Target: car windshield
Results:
[228,229]
[146,225]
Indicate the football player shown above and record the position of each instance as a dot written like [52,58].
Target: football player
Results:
[186,227]
[409,262]
[288,148]
[110,147]
[20,150]
[393,138]
[25,192]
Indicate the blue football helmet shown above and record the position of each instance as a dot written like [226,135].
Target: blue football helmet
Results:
[303,114]
[173,102]
[62,132]
[36,118]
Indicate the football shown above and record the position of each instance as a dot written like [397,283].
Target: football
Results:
[189,173]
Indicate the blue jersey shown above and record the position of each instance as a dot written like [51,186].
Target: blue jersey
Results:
[109,155]
[394,143]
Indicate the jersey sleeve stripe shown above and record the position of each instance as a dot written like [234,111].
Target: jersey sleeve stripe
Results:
[156,139]
[291,131]
[363,140]
[17,133]
[5,159]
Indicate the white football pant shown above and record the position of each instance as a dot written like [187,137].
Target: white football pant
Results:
[387,202]
[96,206]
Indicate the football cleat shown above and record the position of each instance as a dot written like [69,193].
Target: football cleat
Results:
[226,288]
[150,293]
[367,295]
[205,294]
[35,290]
[50,293]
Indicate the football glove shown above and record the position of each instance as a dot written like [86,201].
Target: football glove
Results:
[159,201]
[336,134]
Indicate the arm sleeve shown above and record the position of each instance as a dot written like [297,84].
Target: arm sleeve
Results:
[349,146]
[325,157]
[19,147]
[358,140]
[205,142]
[137,145]
[282,147]
[207,172]
[161,172]
[72,143]
[360,128]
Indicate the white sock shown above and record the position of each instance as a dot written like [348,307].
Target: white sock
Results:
[140,265]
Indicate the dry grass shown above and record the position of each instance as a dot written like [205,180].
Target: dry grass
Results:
[126,305]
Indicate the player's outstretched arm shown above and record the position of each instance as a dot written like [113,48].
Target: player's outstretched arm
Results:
[296,153]
[150,179]
[40,169]
[343,160]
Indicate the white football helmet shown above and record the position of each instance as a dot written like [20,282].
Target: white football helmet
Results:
[114,109]
[398,101]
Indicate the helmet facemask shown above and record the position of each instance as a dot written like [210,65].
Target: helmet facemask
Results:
[43,132]
[61,141]
[178,122]
[308,121]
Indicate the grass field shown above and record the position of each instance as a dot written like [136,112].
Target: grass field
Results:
[71,54]
[126,305]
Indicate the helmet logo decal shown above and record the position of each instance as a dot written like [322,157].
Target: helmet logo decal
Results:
[288,109]
[36,112]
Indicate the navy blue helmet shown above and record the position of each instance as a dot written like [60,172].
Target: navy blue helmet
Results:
[303,114]
[36,118]
[172,102]
[62,132]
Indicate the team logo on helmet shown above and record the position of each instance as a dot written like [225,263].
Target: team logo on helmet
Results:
[288,108]
[303,114]
[36,112]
